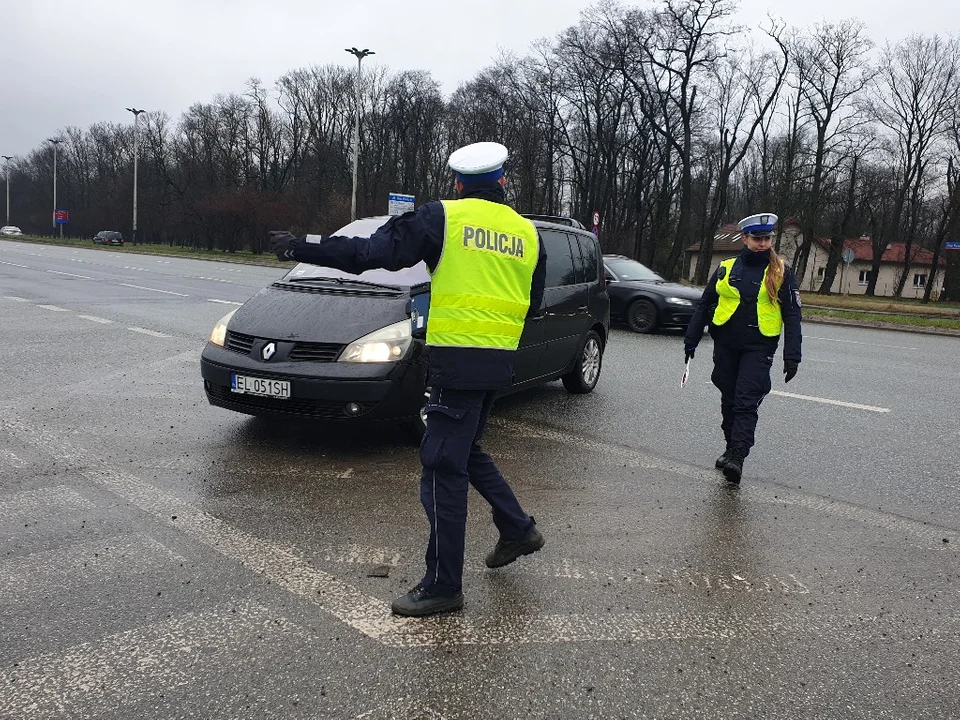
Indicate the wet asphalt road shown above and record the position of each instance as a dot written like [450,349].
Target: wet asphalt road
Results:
[165,559]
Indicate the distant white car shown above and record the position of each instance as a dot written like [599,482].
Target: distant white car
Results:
[10,230]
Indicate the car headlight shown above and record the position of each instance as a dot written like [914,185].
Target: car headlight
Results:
[679,301]
[219,334]
[384,345]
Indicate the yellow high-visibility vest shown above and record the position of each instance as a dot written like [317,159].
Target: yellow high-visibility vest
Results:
[769,317]
[480,289]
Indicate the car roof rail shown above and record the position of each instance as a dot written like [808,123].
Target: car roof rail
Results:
[556,219]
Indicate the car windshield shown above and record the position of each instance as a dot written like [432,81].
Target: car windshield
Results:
[626,269]
[364,227]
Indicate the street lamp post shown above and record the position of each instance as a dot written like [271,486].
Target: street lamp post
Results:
[136,153]
[360,55]
[8,158]
[55,142]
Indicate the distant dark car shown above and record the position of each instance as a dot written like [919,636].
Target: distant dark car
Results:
[108,237]
[323,344]
[644,300]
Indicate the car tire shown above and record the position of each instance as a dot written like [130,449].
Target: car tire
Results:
[642,316]
[586,370]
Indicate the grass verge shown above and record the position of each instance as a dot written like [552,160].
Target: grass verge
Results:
[871,320]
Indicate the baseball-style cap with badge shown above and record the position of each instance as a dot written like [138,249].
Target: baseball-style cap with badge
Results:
[479,162]
[759,225]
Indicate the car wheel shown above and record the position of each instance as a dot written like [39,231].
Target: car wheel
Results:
[586,370]
[642,316]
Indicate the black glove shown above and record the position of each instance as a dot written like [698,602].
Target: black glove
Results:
[790,368]
[688,353]
[283,243]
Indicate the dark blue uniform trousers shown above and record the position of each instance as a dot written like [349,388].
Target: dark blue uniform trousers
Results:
[452,461]
[743,378]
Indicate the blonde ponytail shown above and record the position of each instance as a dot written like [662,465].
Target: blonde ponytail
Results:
[774,277]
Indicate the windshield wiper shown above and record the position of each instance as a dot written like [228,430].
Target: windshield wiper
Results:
[343,281]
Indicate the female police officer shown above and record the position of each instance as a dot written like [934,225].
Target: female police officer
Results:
[487,273]
[751,298]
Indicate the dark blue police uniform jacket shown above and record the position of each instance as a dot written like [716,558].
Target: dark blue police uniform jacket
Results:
[402,242]
[742,330]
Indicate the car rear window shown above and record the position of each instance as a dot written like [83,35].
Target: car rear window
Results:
[590,255]
[560,267]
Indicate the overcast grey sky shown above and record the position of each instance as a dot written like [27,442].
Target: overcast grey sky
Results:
[78,62]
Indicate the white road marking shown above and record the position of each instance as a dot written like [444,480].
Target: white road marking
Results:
[151,333]
[57,272]
[857,342]
[15,298]
[141,287]
[827,401]
[360,555]
[10,459]
[94,318]
[90,562]
[54,308]
[223,302]
[618,454]
[286,566]
[44,501]
[101,676]
[400,708]
[15,265]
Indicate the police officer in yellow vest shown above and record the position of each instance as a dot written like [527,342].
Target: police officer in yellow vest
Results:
[748,302]
[487,275]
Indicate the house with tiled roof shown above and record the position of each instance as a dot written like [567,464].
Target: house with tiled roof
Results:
[850,279]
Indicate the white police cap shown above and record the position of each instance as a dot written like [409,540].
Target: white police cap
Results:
[759,225]
[479,158]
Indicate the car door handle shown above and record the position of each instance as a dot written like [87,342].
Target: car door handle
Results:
[536,318]
[582,308]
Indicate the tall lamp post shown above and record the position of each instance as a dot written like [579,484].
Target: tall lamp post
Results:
[360,55]
[55,142]
[8,158]
[136,153]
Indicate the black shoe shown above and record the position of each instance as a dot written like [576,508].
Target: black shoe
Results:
[722,460]
[507,551]
[419,602]
[733,467]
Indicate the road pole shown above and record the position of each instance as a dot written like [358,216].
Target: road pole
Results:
[136,155]
[360,55]
[8,158]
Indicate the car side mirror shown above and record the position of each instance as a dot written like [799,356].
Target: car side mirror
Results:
[609,278]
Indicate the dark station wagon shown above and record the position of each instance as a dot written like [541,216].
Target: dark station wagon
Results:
[323,344]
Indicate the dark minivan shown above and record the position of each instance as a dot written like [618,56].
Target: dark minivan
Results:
[328,345]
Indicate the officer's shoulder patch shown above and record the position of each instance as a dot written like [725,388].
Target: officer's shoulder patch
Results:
[796,298]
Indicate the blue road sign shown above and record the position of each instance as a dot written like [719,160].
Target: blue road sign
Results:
[399,204]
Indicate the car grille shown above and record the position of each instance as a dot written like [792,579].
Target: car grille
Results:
[301,352]
[239,343]
[302,407]
[317,352]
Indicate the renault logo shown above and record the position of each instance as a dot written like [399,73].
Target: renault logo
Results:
[268,350]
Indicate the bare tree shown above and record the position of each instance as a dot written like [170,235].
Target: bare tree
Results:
[741,98]
[830,70]
[917,91]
